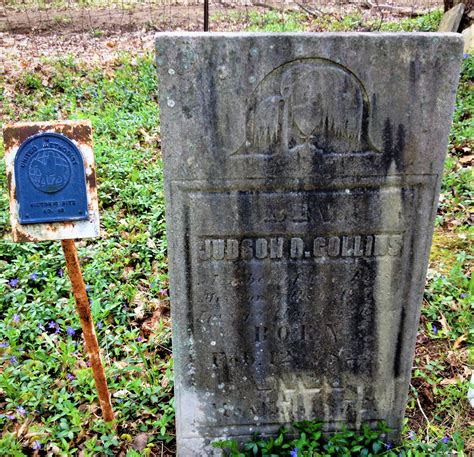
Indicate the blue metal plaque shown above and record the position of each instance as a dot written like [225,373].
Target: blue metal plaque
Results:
[50,180]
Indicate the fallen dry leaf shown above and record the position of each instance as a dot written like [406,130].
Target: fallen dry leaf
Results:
[121,393]
[140,441]
[449,382]
[467,160]
[459,341]
[444,324]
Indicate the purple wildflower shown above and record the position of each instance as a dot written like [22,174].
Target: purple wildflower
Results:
[55,326]
[388,446]
[152,284]
[465,55]
[294,452]
[33,276]
[70,377]
[16,318]
[435,329]
[13,282]
[41,326]
[60,272]
[21,410]
[99,325]
[10,416]
[3,344]
[139,339]
[36,445]
[464,295]
[411,435]
[70,331]
[445,440]
[163,291]
[88,288]
[13,360]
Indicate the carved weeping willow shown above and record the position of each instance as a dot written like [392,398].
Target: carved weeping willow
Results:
[265,120]
[314,106]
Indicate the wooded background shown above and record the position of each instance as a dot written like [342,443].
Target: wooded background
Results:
[25,16]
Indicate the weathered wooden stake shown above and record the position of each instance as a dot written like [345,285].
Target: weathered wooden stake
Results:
[206,15]
[83,309]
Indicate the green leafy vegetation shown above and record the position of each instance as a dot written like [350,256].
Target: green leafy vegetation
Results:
[425,23]
[47,399]
[297,21]
[311,442]
[46,385]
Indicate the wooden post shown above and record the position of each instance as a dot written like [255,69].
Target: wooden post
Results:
[83,309]
[206,15]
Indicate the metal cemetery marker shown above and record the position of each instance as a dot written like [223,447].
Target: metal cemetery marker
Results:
[51,178]
[51,182]
[302,174]
[53,196]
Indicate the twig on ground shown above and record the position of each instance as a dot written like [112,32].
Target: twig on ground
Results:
[424,415]
[270,7]
[312,12]
[400,10]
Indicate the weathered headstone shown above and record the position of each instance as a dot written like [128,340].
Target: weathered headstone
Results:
[468,14]
[452,19]
[302,174]
[468,35]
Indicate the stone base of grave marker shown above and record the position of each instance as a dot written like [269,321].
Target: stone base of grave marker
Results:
[302,175]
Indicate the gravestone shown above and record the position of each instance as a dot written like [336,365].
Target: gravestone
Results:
[468,35]
[452,19]
[302,174]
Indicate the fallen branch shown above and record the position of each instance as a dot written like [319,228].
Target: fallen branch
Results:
[400,10]
[270,7]
[314,12]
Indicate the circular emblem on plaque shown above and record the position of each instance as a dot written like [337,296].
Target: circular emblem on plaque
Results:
[49,170]
[50,178]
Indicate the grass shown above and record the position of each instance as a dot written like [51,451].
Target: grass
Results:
[47,396]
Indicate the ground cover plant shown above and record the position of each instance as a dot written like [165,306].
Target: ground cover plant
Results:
[47,398]
[306,439]
[47,394]
[319,21]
